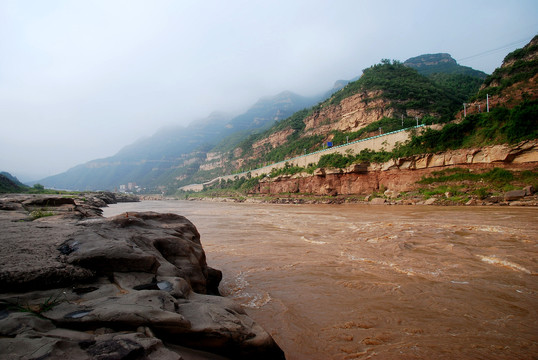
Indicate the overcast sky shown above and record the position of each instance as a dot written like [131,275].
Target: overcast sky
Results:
[81,79]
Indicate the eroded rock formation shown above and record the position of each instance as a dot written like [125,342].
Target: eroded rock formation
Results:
[136,286]
[400,174]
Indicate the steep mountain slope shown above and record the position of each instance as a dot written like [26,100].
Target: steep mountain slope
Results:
[144,161]
[444,71]
[451,164]
[389,96]
[516,79]
[13,178]
[174,153]
[10,184]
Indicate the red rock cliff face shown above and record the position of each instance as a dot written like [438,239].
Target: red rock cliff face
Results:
[272,141]
[361,184]
[352,114]
[402,174]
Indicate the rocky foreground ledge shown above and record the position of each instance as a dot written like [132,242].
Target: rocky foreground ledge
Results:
[75,285]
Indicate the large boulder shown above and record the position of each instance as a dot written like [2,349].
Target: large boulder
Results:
[514,195]
[135,286]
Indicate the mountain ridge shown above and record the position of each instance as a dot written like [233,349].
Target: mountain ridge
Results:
[428,64]
[10,183]
[149,161]
[172,156]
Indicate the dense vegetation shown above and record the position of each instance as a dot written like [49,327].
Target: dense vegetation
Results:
[498,126]
[464,86]
[405,87]
[8,185]
[518,68]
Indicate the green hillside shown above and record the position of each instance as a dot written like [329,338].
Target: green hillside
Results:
[514,121]
[432,86]
[10,184]
[429,64]
[403,86]
[520,66]
[444,71]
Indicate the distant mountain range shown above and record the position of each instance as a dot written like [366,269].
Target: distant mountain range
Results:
[175,152]
[173,155]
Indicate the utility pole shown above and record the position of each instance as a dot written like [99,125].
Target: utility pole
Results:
[487,101]
[402,120]
[416,118]
[464,110]
[347,139]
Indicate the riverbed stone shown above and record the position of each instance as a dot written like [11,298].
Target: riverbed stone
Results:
[529,190]
[472,202]
[518,203]
[391,194]
[378,201]
[430,201]
[514,195]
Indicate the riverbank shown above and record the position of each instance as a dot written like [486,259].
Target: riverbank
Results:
[492,175]
[134,286]
[530,200]
[472,185]
[441,196]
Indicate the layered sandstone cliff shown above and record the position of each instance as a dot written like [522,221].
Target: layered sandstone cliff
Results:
[400,174]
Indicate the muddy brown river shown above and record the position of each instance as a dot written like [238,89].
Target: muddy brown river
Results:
[382,282]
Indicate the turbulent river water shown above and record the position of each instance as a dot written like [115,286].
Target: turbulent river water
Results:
[382,282]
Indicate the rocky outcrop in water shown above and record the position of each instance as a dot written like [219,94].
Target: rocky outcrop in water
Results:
[136,286]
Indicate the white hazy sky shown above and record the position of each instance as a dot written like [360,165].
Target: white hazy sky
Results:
[81,79]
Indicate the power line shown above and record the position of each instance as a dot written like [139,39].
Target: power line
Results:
[488,52]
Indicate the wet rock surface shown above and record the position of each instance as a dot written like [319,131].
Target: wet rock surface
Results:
[136,286]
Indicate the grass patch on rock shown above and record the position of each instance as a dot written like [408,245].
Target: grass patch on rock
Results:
[37,214]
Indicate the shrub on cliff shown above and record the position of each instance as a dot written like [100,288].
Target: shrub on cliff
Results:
[335,160]
[497,127]
[518,66]
[523,122]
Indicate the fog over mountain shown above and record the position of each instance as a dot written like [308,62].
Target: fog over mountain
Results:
[81,80]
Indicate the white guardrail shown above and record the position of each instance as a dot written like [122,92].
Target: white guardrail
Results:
[266,168]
